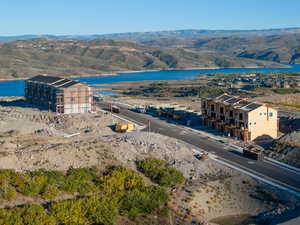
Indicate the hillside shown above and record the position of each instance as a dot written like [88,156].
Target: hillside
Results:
[67,57]
[283,48]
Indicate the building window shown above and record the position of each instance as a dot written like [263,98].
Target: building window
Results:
[254,123]
[241,116]
[265,114]
[212,107]
[270,114]
[261,114]
[221,110]
[59,100]
[72,99]
[250,123]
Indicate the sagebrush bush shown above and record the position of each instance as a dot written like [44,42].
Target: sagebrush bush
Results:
[160,173]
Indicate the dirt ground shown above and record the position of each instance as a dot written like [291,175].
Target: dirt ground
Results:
[31,139]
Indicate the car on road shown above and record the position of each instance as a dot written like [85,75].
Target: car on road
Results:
[139,109]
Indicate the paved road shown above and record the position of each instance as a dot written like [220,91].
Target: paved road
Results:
[263,169]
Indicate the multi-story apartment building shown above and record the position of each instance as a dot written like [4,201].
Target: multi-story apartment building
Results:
[239,117]
[59,94]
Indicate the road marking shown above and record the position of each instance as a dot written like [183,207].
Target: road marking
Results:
[259,176]
[283,165]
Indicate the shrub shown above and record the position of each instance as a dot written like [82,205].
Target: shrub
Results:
[8,193]
[170,177]
[53,177]
[50,192]
[143,201]
[69,212]
[102,209]
[80,180]
[81,186]
[159,172]
[121,179]
[33,186]
[82,173]
[151,167]
[29,215]
[124,191]
[36,214]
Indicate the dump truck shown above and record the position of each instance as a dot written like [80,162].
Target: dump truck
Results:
[253,153]
[115,109]
[124,127]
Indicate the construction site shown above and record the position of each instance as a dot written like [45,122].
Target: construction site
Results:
[32,139]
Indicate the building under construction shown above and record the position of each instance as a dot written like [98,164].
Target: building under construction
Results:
[59,94]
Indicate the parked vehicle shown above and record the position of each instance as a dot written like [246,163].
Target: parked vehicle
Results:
[201,156]
[139,109]
[115,109]
[124,127]
[253,153]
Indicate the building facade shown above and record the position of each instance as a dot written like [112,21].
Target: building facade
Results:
[59,94]
[238,117]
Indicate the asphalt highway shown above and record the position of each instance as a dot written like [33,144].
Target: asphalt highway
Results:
[263,169]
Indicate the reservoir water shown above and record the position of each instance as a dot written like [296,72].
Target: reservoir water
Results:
[16,87]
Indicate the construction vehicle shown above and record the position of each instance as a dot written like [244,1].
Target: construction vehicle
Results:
[124,127]
[253,153]
[115,109]
[201,156]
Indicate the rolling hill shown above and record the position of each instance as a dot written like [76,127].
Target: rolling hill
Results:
[284,48]
[66,57]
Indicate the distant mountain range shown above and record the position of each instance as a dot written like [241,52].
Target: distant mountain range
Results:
[70,55]
[146,36]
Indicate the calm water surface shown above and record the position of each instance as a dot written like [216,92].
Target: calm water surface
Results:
[16,88]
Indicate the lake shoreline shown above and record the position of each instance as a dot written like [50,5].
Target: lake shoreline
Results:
[141,71]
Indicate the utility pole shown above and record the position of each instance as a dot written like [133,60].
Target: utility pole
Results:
[149,124]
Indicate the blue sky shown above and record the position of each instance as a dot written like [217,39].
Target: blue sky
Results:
[113,16]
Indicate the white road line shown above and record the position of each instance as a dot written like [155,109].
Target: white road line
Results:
[259,176]
[284,165]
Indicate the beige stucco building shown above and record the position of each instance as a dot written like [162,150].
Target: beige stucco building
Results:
[239,117]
